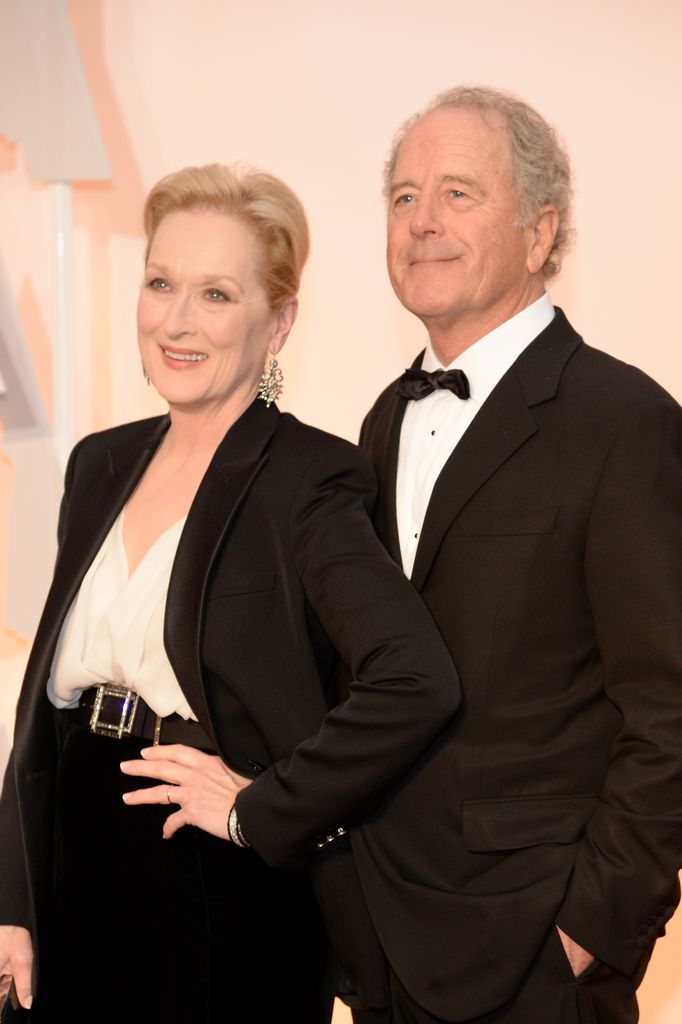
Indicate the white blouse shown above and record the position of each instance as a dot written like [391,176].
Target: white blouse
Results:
[113,631]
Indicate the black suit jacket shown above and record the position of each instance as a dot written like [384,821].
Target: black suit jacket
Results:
[551,560]
[278,567]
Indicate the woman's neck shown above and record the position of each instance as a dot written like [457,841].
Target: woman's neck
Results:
[167,489]
[194,431]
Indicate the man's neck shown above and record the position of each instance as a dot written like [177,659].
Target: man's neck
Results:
[450,339]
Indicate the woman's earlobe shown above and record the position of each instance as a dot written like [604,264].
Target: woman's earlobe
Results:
[286,317]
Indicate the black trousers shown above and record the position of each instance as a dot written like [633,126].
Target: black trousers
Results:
[549,994]
[190,929]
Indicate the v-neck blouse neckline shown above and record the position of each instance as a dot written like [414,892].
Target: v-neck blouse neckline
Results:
[114,629]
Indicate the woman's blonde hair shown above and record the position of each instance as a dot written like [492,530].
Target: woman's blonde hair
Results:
[259,200]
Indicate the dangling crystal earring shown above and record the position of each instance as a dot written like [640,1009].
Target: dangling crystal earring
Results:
[270,387]
[145,375]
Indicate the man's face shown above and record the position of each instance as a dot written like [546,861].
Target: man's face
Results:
[455,256]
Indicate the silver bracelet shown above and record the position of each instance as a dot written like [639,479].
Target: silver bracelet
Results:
[234,830]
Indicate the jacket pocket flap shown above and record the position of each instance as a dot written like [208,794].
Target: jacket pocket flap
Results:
[489,522]
[242,583]
[517,822]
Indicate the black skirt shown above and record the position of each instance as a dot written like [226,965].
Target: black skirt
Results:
[189,929]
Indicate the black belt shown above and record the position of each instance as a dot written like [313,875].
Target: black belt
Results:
[114,711]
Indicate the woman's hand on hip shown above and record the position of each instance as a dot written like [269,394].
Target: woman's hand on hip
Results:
[16,961]
[201,784]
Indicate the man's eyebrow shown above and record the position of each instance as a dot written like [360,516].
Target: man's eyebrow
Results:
[398,185]
[460,179]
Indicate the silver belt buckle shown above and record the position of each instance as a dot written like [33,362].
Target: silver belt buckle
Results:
[113,713]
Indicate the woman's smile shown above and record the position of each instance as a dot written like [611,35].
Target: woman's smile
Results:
[184,356]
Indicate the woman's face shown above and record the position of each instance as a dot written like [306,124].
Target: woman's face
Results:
[203,319]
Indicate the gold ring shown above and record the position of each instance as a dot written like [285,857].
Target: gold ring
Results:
[168,795]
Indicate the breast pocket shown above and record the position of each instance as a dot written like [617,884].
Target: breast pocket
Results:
[238,583]
[507,522]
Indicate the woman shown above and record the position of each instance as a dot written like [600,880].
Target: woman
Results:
[211,563]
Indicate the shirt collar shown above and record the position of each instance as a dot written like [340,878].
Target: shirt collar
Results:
[487,360]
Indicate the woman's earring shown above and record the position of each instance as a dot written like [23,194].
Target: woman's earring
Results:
[145,375]
[270,387]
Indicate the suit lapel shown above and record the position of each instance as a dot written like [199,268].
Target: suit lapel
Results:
[389,462]
[385,455]
[237,462]
[100,501]
[502,425]
[123,464]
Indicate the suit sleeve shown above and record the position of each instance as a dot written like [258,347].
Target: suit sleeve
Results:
[14,903]
[404,687]
[624,885]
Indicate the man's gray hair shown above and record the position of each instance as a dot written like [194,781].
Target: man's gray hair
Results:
[540,166]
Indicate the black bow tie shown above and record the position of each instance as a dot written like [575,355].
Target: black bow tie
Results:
[416,384]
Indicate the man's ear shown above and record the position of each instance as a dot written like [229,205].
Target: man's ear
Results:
[541,232]
[286,315]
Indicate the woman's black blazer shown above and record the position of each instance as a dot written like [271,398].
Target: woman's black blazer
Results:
[278,567]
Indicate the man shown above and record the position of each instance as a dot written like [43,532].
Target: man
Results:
[533,493]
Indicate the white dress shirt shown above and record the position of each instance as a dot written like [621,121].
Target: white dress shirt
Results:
[432,427]
[114,629]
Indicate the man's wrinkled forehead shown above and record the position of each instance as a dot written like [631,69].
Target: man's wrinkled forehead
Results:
[460,134]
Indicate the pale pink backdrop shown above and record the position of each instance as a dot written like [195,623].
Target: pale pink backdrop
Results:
[312,90]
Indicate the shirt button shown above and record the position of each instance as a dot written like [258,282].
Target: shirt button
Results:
[416,536]
[433,433]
